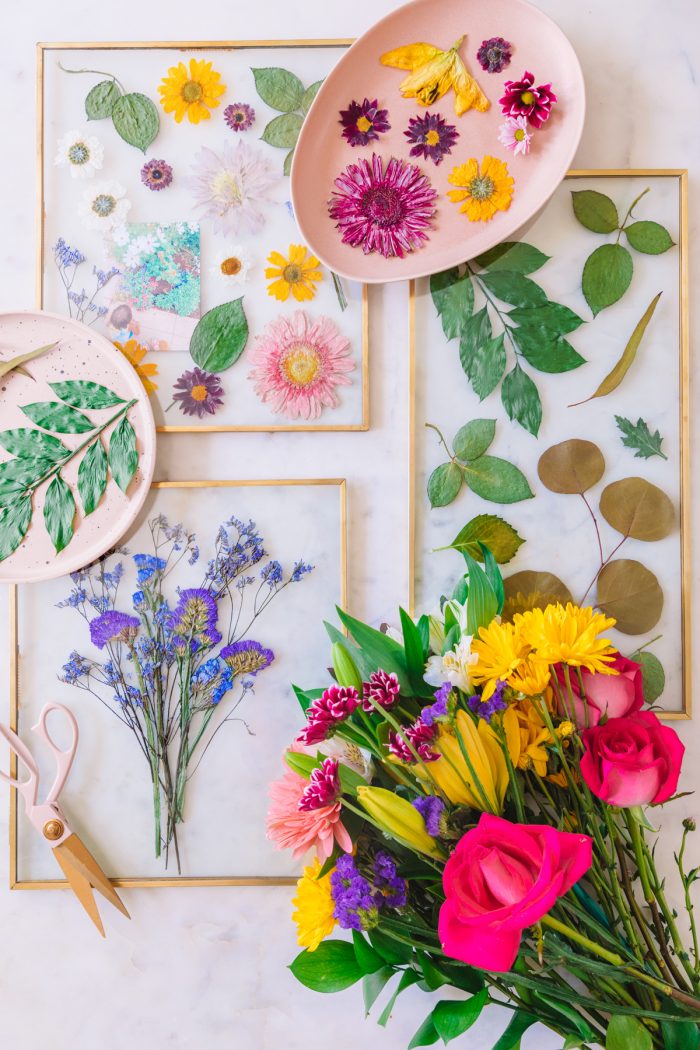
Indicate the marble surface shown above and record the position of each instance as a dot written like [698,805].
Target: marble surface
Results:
[206,968]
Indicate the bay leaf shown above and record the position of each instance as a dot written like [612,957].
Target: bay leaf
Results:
[521,400]
[486,366]
[498,535]
[17,474]
[123,455]
[533,589]
[27,443]
[513,288]
[607,275]
[50,415]
[513,255]
[279,88]
[497,480]
[444,484]
[546,351]
[92,476]
[220,337]
[551,316]
[596,211]
[82,393]
[59,513]
[472,440]
[136,119]
[453,297]
[100,100]
[283,130]
[638,509]
[14,523]
[631,593]
[649,237]
[572,466]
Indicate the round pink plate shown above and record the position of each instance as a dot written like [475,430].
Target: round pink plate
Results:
[81,354]
[538,45]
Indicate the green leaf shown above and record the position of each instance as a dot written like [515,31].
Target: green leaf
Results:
[373,985]
[518,1025]
[60,418]
[59,513]
[81,393]
[305,696]
[625,1032]
[92,476]
[17,474]
[497,480]
[606,276]
[367,958]
[309,95]
[287,166]
[649,237]
[220,337]
[331,968]
[453,1018]
[486,366]
[513,255]
[511,287]
[379,650]
[408,977]
[278,87]
[483,602]
[444,484]
[495,533]
[453,296]
[554,317]
[426,1035]
[634,435]
[136,120]
[547,352]
[393,952]
[123,457]
[14,522]
[283,130]
[472,440]
[415,655]
[494,576]
[679,1035]
[595,211]
[653,675]
[29,444]
[15,363]
[100,100]
[521,400]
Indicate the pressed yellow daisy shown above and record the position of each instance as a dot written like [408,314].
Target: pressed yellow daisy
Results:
[314,907]
[569,635]
[500,651]
[135,353]
[482,192]
[192,93]
[296,274]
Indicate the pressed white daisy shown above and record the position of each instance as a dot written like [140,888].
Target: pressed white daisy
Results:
[231,267]
[104,206]
[82,153]
[120,234]
[231,187]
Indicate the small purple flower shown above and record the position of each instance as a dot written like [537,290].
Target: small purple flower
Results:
[147,565]
[420,736]
[271,573]
[486,709]
[247,657]
[198,392]
[239,116]
[323,788]
[494,54]
[324,714]
[383,688]
[194,617]
[438,709]
[156,174]
[431,137]
[431,809]
[363,122]
[356,907]
[300,569]
[113,626]
[388,882]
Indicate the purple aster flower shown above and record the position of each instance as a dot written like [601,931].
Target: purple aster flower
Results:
[494,54]
[356,906]
[247,657]
[430,136]
[323,788]
[387,881]
[431,809]
[195,616]
[439,709]
[113,626]
[156,174]
[363,122]
[239,116]
[198,392]
[383,688]
[420,736]
[385,210]
[325,713]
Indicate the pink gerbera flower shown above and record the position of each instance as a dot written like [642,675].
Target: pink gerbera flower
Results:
[303,829]
[297,364]
[522,98]
[386,211]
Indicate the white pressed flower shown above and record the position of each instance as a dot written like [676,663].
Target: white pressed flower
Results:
[232,266]
[82,153]
[120,235]
[104,206]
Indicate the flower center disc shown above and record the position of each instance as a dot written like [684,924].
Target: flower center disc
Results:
[527,98]
[78,153]
[155,175]
[519,135]
[198,392]
[432,138]
[481,188]
[103,205]
[301,364]
[363,124]
[382,205]
[230,267]
[192,91]
[292,273]
[226,188]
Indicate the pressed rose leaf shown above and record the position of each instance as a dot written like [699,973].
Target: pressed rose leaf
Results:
[530,589]
[220,337]
[513,255]
[14,522]
[279,88]
[511,287]
[59,512]
[595,211]
[92,476]
[136,120]
[553,317]
[453,298]
[60,418]
[28,443]
[632,594]
[649,237]
[653,675]
[472,440]
[638,509]
[100,100]
[497,480]
[639,437]
[476,332]
[546,351]
[521,400]
[607,275]
[486,366]
[309,95]
[82,393]
[571,466]
[498,535]
[283,130]
[444,484]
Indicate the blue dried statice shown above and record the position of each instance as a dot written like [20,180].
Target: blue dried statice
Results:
[81,304]
[77,667]
[271,573]
[147,565]
[300,569]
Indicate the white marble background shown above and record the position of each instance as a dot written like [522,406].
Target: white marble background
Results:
[199,969]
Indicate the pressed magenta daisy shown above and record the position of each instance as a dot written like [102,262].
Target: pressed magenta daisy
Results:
[363,122]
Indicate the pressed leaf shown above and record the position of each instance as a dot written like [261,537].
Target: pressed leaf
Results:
[81,393]
[625,1032]
[28,443]
[571,466]
[530,589]
[17,474]
[618,373]
[639,437]
[283,130]
[632,594]
[18,360]
[92,476]
[14,522]
[309,95]
[123,457]
[517,1026]
[136,120]
[60,418]
[453,297]
[649,237]
[331,968]
[472,440]
[606,276]
[595,211]
[444,484]
[513,255]
[638,509]
[511,287]
[497,480]
[551,316]
[451,1018]
[220,337]
[475,332]
[486,366]
[491,531]
[59,513]
[287,166]
[521,400]
[100,100]
[653,675]
[278,87]
[547,352]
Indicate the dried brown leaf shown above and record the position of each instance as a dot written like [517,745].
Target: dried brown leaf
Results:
[530,589]
[638,509]
[571,466]
[632,594]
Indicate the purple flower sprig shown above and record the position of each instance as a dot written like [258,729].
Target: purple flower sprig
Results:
[358,897]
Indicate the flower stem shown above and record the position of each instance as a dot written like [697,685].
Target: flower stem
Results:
[96,72]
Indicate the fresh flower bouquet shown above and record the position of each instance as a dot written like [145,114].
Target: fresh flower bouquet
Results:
[478,794]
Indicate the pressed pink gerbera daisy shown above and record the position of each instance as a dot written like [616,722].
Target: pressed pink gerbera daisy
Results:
[297,364]
[386,211]
[303,829]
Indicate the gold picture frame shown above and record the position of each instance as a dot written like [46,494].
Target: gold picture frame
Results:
[15,883]
[41,50]
[681,175]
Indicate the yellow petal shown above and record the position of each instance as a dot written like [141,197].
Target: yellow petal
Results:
[301,291]
[297,253]
[279,290]
[277,259]
[468,94]
[410,56]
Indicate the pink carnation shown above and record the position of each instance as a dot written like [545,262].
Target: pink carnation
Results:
[324,713]
[383,688]
[290,827]
[323,787]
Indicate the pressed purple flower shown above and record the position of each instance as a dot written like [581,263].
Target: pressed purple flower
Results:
[356,906]
[195,615]
[439,708]
[522,97]
[323,788]
[389,883]
[420,736]
[431,809]
[383,210]
[494,54]
[113,626]
[247,657]
[383,688]
[431,136]
[198,392]
[363,122]
[239,116]
[324,714]
[156,174]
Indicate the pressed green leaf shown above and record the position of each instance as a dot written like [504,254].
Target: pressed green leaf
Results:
[426,1035]
[373,984]
[497,480]
[287,166]
[367,958]
[220,337]
[679,1035]
[453,297]
[331,968]
[136,120]
[513,255]
[408,977]
[653,675]
[595,211]
[495,533]
[472,440]
[81,393]
[59,513]
[649,237]
[92,476]
[309,95]
[625,1032]
[475,342]
[444,484]
[17,474]
[14,522]
[521,400]
[486,366]
[452,1018]
[607,275]
[100,100]
[554,317]
[547,352]
[511,287]
[634,435]
[28,443]
[283,130]
[60,418]
[123,457]
[278,87]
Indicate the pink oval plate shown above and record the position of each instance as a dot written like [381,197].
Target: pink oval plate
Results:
[539,46]
[81,354]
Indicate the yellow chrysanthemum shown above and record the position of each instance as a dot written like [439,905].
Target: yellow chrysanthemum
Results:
[135,353]
[296,274]
[482,191]
[568,635]
[191,92]
[531,677]
[314,907]
[433,72]
[527,736]
[500,651]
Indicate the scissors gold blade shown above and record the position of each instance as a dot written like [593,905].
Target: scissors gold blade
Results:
[84,874]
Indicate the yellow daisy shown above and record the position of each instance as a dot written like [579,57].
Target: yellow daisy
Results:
[568,635]
[314,907]
[192,93]
[483,192]
[531,678]
[500,651]
[135,353]
[295,274]
[527,735]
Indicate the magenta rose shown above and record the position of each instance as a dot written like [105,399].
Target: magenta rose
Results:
[614,695]
[502,878]
[632,761]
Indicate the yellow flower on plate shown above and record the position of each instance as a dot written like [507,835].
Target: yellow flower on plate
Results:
[295,274]
[135,353]
[481,191]
[192,93]
[500,651]
[314,907]
[433,72]
[568,635]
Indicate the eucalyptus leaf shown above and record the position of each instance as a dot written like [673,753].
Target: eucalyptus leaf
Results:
[60,418]
[27,443]
[547,352]
[649,237]
[14,523]
[595,211]
[82,393]
[493,532]
[513,288]
[100,100]
[497,480]
[444,484]
[513,255]
[486,366]
[59,513]
[92,477]
[453,297]
[632,594]
[330,968]
[653,675]
[279,88]
[607,275]
[530,589]
[638,509]
[136,120]
[309,95]
[521,400]
[220,337]
[283,130]
[554,317]
[123,456]
[572,466]
[472,440]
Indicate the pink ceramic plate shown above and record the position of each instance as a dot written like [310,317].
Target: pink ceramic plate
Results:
[321,153]
[84,355]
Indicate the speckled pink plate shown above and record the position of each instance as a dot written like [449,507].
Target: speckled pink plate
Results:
[81,354]
[321,153]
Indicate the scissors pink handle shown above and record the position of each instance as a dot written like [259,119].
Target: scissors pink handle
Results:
[26,788]
[64,758]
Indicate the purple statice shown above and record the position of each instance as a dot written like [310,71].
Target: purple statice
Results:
[239,547]
[356,906]
[147,565]
[300,569]
[388,881]
[194,617]
[138,600]
[246,657]
[76,598]
[494,54]
[81,304]
[431,809]
[431,137]
[323,787]
[103,277]
[383,688]
[363,122]
[326,712]
[239,116]
[440,706]
[113,626]
[421,736]
[271,573]
[211,681]
[486,709]
[65,255]
[77,667]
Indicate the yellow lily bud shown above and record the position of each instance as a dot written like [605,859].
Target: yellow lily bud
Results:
[484,785]
[398,818]
[345,668]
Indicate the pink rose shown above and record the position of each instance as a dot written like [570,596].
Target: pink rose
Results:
[501,878]
[613,695]
[632,761]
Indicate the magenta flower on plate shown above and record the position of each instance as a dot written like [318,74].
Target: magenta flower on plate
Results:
[239,116]
[515,135]
[430,136]
[363,121]
[198,392]
[494,54]
[385,210]
[156,174]
[521,98]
